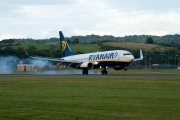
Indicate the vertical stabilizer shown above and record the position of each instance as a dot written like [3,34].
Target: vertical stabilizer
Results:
[66,51]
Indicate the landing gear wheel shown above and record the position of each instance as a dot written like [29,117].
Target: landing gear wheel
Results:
[104,72]
[85,72]
[125,69]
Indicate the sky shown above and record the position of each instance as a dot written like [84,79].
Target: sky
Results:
[41,19]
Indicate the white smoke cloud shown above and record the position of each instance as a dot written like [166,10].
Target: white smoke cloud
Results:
[8,64]
[39,63]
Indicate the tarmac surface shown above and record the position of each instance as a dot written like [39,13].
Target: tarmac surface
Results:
[130,74]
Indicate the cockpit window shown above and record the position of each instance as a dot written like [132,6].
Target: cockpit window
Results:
[127,54]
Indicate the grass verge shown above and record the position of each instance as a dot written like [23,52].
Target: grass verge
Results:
[89,97]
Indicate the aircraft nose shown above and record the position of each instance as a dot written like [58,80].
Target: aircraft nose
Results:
[131,58]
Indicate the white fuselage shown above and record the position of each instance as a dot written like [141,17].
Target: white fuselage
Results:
[111,56]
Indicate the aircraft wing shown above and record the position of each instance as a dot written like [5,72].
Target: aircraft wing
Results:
[53,59]
[141,57]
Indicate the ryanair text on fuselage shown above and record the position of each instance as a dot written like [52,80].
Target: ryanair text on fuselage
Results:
[110,55]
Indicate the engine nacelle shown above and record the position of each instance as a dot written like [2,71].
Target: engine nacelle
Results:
[86,65]
[118,67]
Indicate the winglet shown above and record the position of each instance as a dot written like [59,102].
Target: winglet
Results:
[141,54]
[141,57]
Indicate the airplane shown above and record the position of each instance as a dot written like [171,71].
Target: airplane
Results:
[116,59]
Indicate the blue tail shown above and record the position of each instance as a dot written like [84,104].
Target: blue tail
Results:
[66,51]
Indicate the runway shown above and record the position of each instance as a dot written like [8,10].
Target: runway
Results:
[127,74]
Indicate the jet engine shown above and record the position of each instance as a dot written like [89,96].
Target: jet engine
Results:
[118,67]
[86,65]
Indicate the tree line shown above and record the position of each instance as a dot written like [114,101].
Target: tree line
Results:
[97,38]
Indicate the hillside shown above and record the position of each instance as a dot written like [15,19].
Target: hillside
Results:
[136,46]
[154,53]
[84,48]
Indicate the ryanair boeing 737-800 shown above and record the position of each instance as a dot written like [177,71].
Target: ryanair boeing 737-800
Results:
[117,59]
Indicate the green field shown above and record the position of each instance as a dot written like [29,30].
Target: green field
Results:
[86,48]
[89,98]
[137,46]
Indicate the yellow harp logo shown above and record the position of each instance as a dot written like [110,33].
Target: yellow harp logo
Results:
[63,45]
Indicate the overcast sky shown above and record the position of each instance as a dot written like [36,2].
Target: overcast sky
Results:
[41,19]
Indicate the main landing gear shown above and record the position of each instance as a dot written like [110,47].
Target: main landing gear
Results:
[104,71]
[85,72]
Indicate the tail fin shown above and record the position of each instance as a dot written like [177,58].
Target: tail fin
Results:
[66,51]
